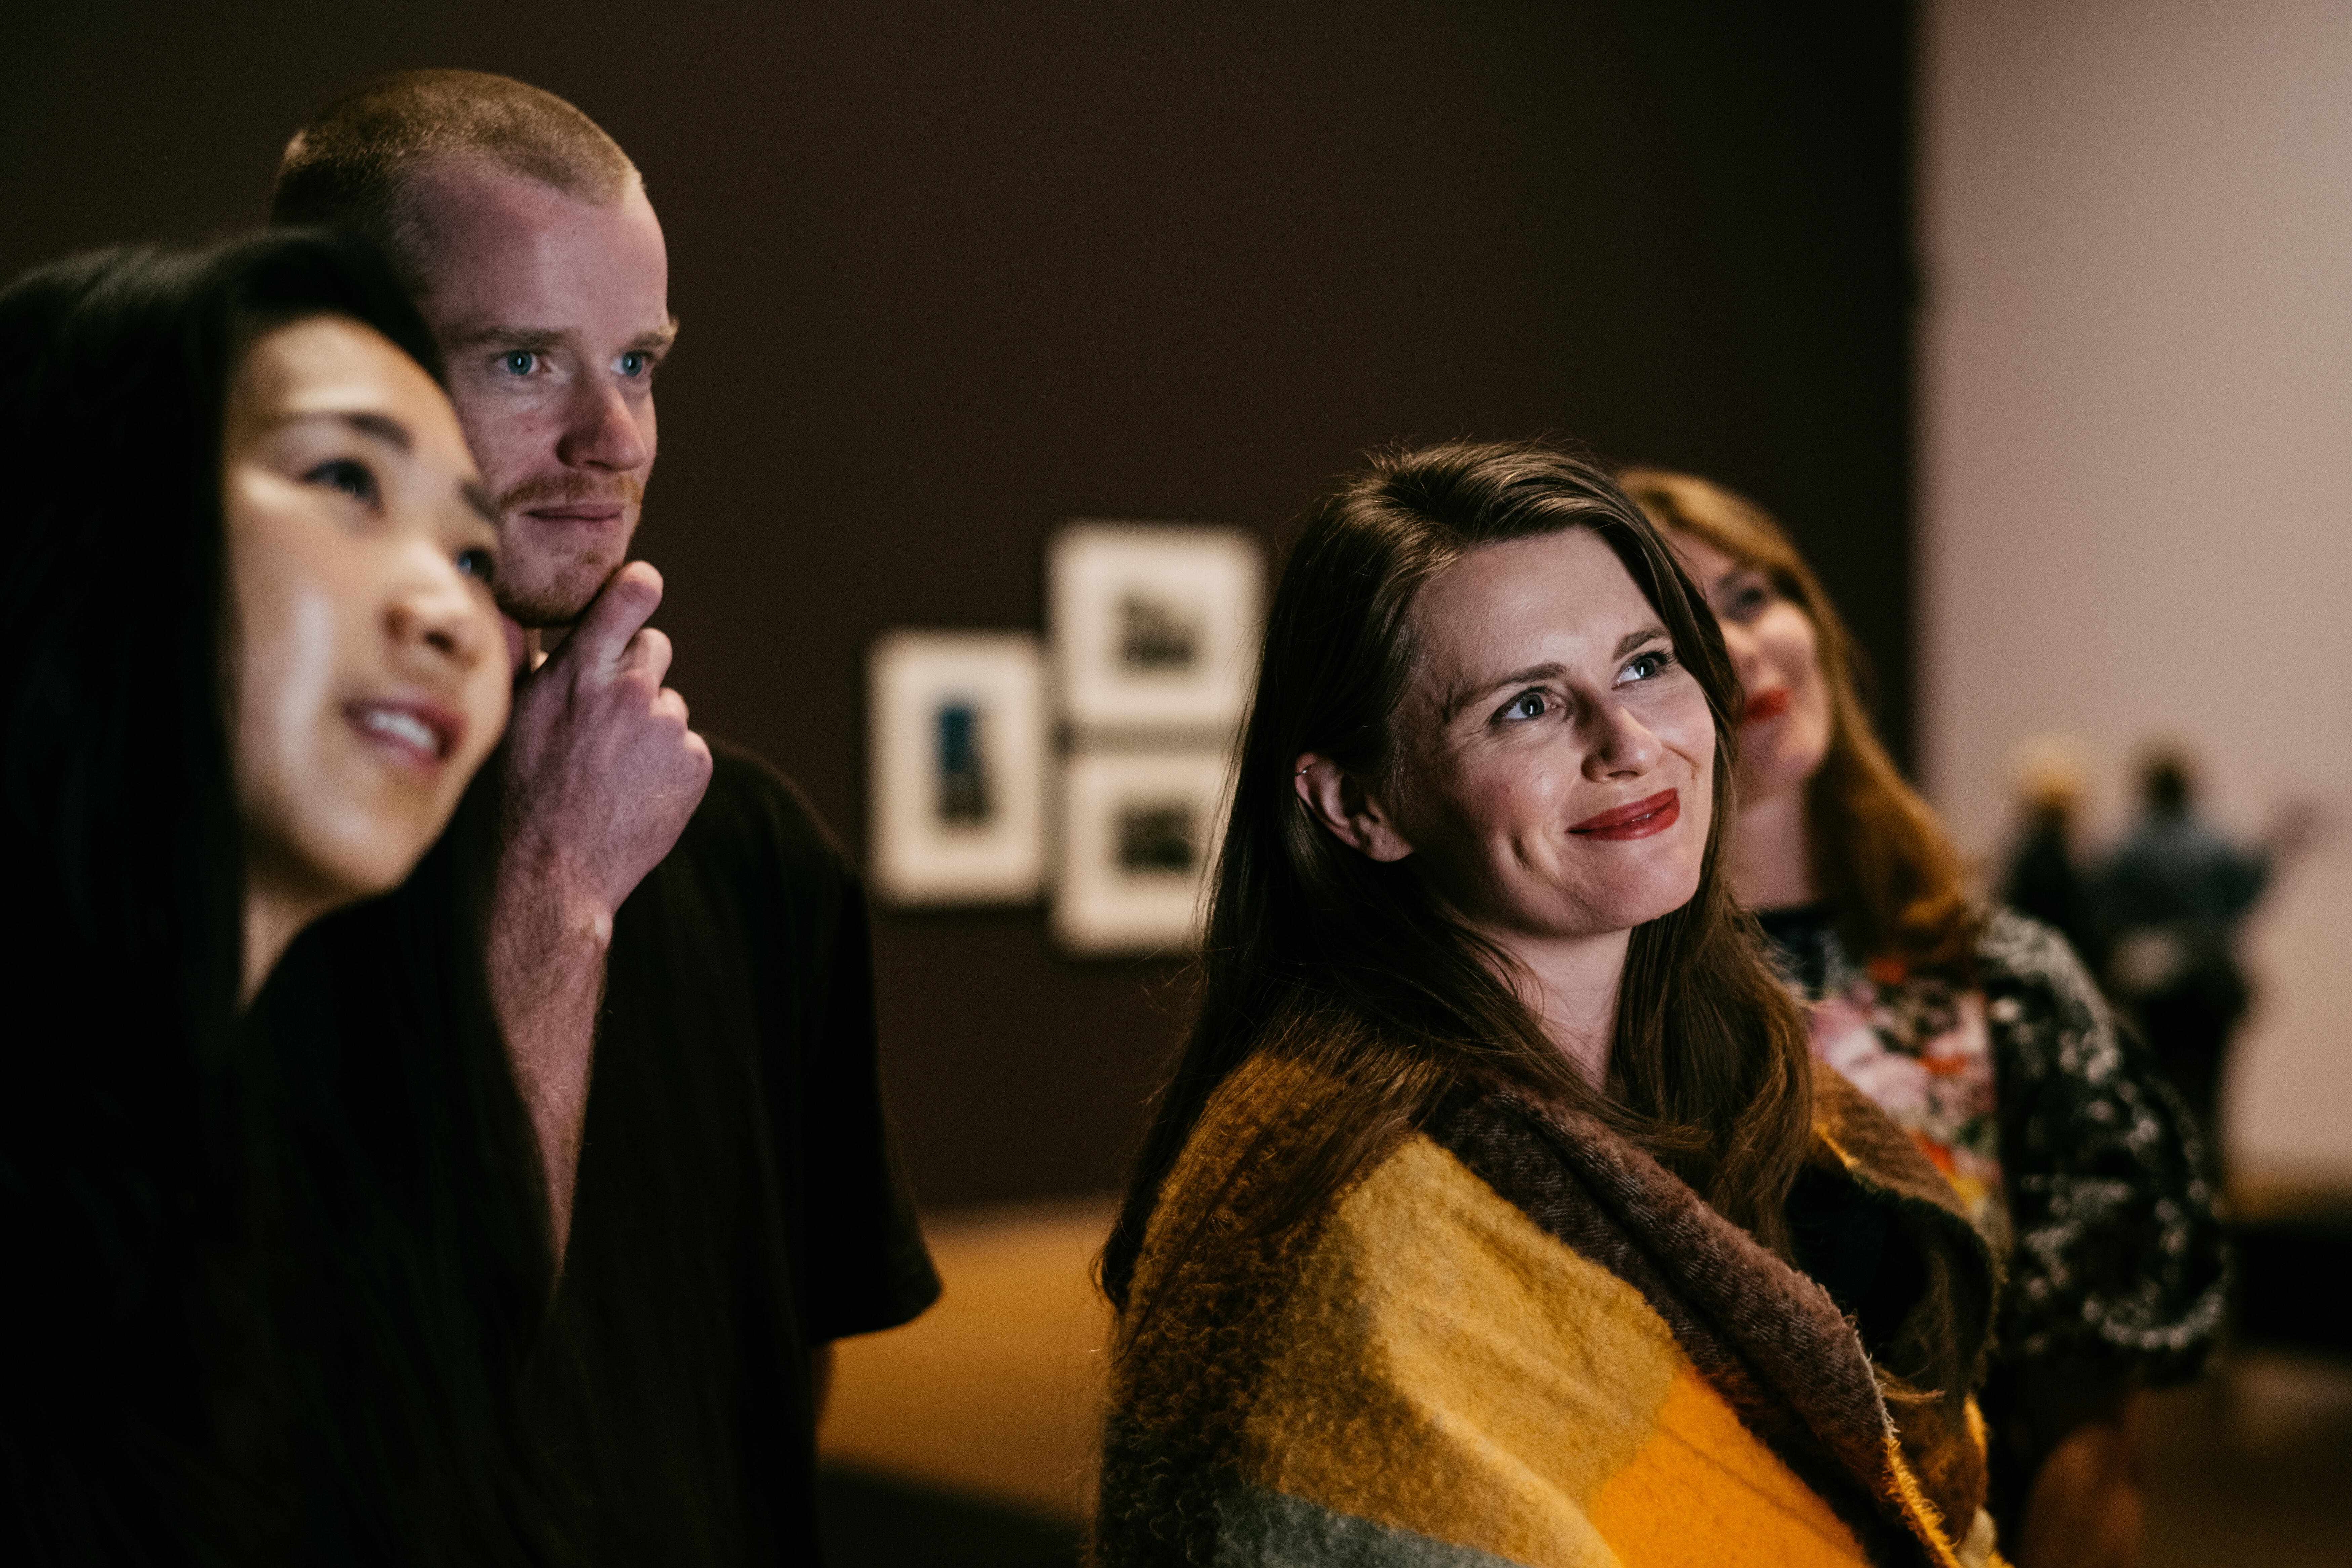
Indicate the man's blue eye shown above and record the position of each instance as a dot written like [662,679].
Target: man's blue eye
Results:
[633,365]
[522,361]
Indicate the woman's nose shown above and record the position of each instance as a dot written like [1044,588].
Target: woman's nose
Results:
[1740,643]
[435,618]
[1621,745]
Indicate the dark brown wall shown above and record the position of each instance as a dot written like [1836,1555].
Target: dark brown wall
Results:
[952,274]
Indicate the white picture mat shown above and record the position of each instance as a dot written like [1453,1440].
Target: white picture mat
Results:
[1101,908]
[1217,575]
[918,856]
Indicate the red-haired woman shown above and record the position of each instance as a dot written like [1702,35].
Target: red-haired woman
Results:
[1978,1031]
[1494,1213]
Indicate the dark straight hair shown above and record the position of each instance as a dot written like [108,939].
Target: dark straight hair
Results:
[1314,949]
[280,1271]
[116,797]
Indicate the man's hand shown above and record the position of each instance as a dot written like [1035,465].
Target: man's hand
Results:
[600,771]
[599,774]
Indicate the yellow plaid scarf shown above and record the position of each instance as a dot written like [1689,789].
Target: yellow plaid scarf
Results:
[1518,1339]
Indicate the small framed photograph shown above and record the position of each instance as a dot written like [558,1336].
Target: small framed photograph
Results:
[956,770]
[1155,626]
[1139,830]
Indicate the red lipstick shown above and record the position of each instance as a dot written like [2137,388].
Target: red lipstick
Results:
[1767,705]
[1638,820]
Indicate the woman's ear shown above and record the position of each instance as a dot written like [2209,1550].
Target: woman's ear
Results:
[1348,811]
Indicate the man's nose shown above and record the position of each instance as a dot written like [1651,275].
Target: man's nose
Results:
[601,430]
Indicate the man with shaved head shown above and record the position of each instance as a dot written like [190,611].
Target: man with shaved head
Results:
[678,952]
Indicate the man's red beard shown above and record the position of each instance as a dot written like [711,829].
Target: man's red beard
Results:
[573,489]
[559,585]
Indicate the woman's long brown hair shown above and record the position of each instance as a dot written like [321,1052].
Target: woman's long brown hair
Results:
[1316,950]
[1876,850]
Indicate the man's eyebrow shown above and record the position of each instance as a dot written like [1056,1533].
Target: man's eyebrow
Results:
[657,340]
[524,339]
[540,340]
[479,499]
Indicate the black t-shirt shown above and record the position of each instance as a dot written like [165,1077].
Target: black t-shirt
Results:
[738,1200]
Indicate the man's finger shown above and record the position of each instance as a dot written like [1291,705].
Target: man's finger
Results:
[671,703]
[649,652]
[631,596]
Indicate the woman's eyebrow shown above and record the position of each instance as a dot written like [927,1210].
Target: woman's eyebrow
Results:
[1465,696]
[479,499]
[383,428]
[1632,640]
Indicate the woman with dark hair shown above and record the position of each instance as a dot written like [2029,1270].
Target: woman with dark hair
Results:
[1978,1031]
[278,1249]
[1494,1212]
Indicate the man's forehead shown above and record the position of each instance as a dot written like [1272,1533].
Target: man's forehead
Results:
[498,248]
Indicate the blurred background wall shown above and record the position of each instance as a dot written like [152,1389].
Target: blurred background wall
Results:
[951,274]
[2136,454]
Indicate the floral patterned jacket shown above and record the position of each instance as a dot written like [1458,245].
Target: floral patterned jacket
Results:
[2066,1144]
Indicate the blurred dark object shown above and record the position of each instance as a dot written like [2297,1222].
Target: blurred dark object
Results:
[2063,1444]
[2043,879]
[2294,1254]
[2167,902]
[879,1521]
[2188,1021]
[2249,1467]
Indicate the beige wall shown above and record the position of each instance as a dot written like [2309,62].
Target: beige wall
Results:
[2137,450]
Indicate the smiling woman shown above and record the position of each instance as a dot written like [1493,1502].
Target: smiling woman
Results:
[1548,720]
[1979,1031]
[371,671]
[1463,1232]
[277,1215]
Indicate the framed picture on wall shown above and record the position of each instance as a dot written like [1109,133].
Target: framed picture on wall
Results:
[1155,626]
[1137,831]
[956,736]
